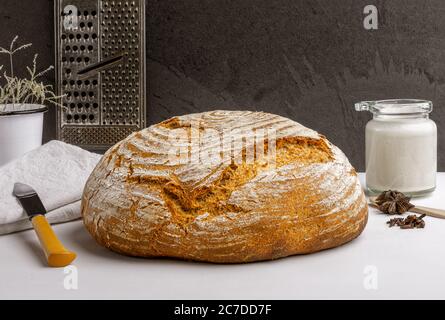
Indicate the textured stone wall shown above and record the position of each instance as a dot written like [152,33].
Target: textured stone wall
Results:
[307,60]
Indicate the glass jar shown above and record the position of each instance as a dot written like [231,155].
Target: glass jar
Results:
[401,146]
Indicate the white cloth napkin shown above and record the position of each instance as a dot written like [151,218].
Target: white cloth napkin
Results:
[57,171]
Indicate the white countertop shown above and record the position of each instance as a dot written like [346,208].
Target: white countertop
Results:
[408,264]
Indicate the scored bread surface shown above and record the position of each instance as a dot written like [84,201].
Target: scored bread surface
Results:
[142,201]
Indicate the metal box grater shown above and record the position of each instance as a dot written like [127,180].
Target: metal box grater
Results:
[100,68]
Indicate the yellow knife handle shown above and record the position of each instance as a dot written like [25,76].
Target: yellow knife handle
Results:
[56,254]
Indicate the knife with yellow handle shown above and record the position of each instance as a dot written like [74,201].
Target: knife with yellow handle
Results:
[55,252]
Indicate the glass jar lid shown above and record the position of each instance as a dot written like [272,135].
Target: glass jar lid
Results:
[395,106]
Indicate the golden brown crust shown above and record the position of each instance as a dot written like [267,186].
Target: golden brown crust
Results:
[140,202]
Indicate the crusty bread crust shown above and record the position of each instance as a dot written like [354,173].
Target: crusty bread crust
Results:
[142,201]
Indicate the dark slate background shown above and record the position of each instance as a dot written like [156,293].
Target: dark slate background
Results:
[304,59]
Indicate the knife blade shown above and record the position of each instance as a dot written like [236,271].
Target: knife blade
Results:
[56,254]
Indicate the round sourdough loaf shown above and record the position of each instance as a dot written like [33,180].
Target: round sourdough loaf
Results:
[224,186]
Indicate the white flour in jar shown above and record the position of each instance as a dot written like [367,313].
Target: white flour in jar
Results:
[401,153]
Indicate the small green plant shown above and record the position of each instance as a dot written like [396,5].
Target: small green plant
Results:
[19,91]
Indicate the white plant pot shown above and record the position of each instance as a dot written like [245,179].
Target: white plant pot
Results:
[21,127]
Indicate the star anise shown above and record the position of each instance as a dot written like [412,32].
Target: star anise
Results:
[393,202]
